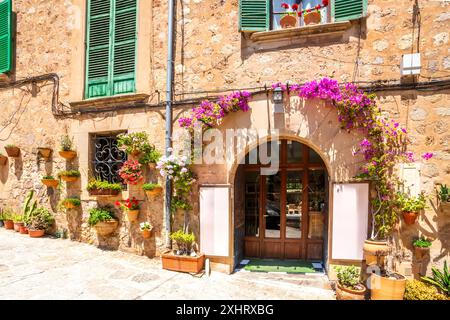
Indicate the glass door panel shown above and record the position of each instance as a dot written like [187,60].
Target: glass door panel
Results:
[252,204]
[294,192]
[316,203]
[272,210]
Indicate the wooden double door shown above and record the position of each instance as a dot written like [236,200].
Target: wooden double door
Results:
[286,212]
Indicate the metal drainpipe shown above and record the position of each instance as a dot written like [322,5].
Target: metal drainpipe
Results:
[169,95]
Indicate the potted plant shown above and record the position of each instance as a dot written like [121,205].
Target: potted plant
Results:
[27,211]
[69,175]
[49,181]
[444,198]
[66,148]
[289,19]
[152,189]
[70,203]
[18,222]
[349,286]
[8,219]
[387,286]
[134,143]
[421,248]
[150,158]
[131,172]
[146,229]
[103,188]
[440,279]
[38,222]
[410,206]
[12,150]
[131,207]
[184,258]
[45,152]
[3,159]
[103,220]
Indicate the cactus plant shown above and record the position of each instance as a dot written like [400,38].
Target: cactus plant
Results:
[28,210]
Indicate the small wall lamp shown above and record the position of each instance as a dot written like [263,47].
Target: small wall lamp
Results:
[278,95]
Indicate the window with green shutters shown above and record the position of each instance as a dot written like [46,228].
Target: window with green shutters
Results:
[254,15]
[111,47]
[5,35]
[348,9]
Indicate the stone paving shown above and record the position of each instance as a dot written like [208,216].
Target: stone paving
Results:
[48,268]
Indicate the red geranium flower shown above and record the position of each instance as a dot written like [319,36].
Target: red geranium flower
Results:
[308,10]
[295,7]
[318,7]
[299,13]
[325,3]
[284,5]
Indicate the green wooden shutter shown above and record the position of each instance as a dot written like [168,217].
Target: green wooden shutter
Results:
[348,9]
[124,47]
[254,15]
[5,35]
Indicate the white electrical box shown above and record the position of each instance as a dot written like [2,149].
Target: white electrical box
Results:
[410,64]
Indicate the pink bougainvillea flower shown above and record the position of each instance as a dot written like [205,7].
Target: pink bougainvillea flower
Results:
[427,156]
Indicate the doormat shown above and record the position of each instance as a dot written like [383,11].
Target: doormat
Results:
[288,266]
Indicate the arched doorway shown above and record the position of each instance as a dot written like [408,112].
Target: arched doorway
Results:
[282,215]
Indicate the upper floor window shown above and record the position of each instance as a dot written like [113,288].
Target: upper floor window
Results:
[5,35]
[296,10]
[111,47]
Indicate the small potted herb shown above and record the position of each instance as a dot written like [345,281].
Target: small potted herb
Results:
[3,159]
[70,203]
[103,220]
[38,222]
[152,189]
[66,148]
[410,207]
[131,207]
[421,248]
[444,198]
[69,175]
[8,219]
[146,229]
[12,150]
[103,188]
[49,181]
[349,286]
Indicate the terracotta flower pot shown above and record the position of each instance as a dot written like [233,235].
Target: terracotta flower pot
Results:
[17,226]
[410,217]
[105,228]
[9,224]
[288,21]
[183,263]
[50,182]
[445,207]
[312,18]
[3,160]
[374,249]
[135,153]
[420,253]
[152,166]
[343,293]
[23,230]
[12,151]
[45,152]
[68,155]
[36,233]
[105,192]
[146,233]
[69,178]
[69,205]
[154,193]
[132,215]
[383,288]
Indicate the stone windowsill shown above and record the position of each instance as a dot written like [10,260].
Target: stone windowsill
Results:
[334,28]
[134,99]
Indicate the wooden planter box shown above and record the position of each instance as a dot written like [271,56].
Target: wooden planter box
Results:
[3,160]
[106,192]
[68,155]
[12,151]
[183,263]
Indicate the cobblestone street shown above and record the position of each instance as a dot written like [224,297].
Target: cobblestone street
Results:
[46,268]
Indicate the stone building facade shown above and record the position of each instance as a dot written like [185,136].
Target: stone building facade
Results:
[43,97]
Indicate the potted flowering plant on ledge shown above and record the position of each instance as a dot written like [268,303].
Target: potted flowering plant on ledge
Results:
[134,143]
[410,207]
[146,229]
[131,207]
[131,172]
[289,19]
[103,220]
[97,187]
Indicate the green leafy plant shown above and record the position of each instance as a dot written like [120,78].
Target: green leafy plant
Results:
[69,173]
[18,218]
[348,276]
[66,143]
[69,201]
[440,279]
[7,214]
[418,290]
[444,193]
[100,214]
[180,203]
[10,146]
[40,219]
[136,142]
[411,204]
[184,241]
[28,209]
[150,186]
[151,156]
[422,243]
[48,177]
[102,185]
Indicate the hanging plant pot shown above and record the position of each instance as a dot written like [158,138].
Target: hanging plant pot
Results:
[445,207]
[9,224]
[36,233]
[12,151]
[135,153]
[151,194]
[3,160]
[374,249]
[288,21]
[69,178]
[23,230]
[343,293]
[132,215]
[68,155]
[17,226]
[313,17]
[152,166]
[410,217]
[45,152]
[420,253]
[387,288]
[105,228]
[146,234]
[52,183]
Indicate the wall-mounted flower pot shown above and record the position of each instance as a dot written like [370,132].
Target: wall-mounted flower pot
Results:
[445,207]
[103,192]
[421,253]
[288,21]
[183,263]
[312,18]
[105,228]
[153,193]
[132,215]
[36,233]
[68,155]
[343,293]
[23,230]
[146,234]
[69,205]
[12,151]
[384,288]
[410,217]
[17,226]
[374,249]
[52,183]
[152,166]
[3,160]
[45,152]
[69,178]
[9,224]
[135,153]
